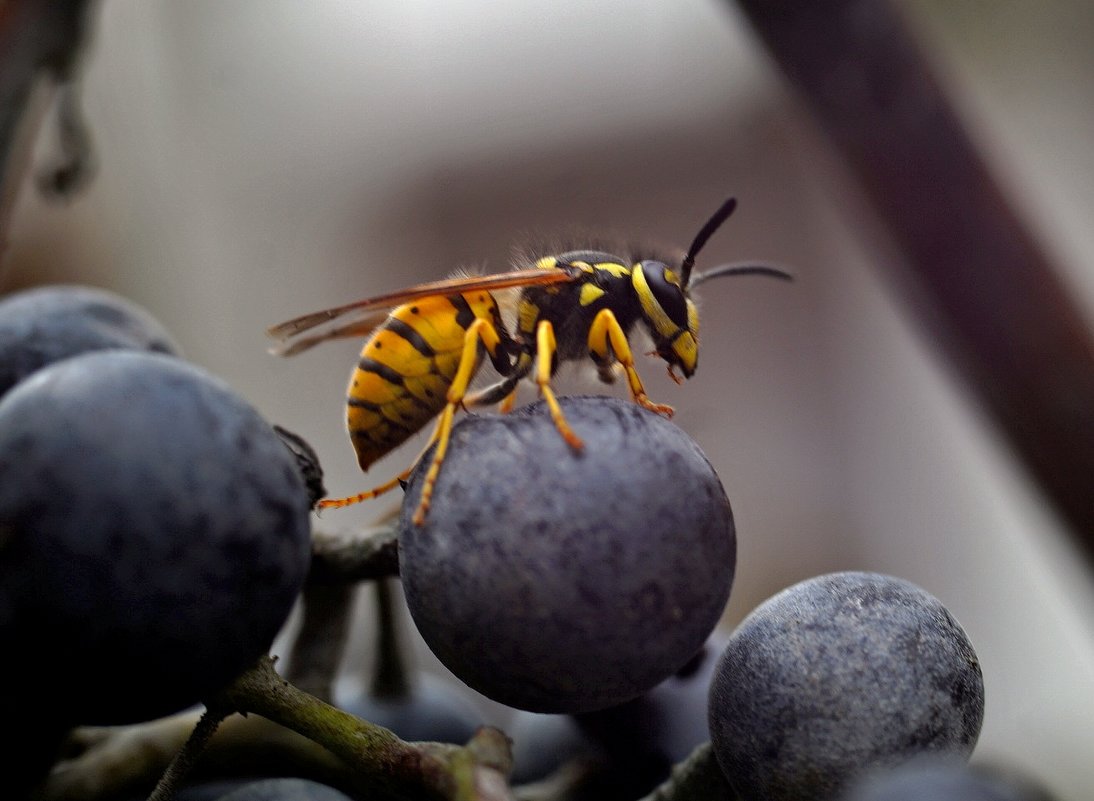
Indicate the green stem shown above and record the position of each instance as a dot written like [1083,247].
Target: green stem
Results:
[184,760]
[384,762]
[698,776]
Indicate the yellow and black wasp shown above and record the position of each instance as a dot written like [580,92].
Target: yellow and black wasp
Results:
[426,343]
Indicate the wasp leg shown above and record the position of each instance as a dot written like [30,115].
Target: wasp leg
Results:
[606,339]
[375,492]
[545,352]
[480,329]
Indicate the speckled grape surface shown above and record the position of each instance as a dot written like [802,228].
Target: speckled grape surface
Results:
[555,581]
[46,324]
[154,533]
[838,675]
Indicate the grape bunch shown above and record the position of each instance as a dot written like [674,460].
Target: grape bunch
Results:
[154,529]
[154,535]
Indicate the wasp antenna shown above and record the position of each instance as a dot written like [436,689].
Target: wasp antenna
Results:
[708,229]
[743,268]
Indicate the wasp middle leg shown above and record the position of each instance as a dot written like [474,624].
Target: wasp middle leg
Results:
[545,354]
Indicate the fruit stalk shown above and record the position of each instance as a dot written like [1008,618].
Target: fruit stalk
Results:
[698,776]
[477,770]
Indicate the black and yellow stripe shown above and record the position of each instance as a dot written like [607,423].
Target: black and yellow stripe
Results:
[402,378]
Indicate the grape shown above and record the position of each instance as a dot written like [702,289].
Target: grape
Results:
[837,675]
[285,789]
[544,742]
[646,736]
[154,534]
[43,325]
[430,709]
[934,779]
[555,581]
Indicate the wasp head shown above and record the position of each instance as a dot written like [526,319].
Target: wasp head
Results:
[669,315]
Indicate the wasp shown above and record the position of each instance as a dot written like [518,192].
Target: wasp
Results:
[426,344]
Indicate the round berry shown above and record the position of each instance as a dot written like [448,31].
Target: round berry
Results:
[559,581]
[46,324]
[838,675]
[154,534]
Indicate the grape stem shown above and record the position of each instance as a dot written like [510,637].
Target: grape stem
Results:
[346,557]
[698,776]
[376,759]
[184,760]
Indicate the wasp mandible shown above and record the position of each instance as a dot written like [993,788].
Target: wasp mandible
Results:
[426,343]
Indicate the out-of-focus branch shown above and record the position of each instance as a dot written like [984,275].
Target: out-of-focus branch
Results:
[126,761]
[341,557]
[317,651]
[40,39]
[311,739]
[985,288]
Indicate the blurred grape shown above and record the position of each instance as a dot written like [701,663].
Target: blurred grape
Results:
[43,325]
[154,535]
[941,779]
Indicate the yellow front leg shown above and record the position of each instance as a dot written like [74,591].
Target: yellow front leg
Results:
[545,353]
[607,340]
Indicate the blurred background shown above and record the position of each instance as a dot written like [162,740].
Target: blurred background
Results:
[259,160]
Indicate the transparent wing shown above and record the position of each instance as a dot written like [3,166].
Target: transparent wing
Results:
[361,317]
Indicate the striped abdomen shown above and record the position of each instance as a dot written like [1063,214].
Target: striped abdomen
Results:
[406,367]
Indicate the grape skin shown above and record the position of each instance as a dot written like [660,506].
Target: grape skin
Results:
[835,676]
[555,581]
[154,534]
[46,324]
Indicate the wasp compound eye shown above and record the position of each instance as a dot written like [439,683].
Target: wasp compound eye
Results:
[665,288]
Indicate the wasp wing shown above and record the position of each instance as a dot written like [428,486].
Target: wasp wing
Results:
[365,317]
[354,328]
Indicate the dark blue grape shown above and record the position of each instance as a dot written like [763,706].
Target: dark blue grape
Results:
[555,581]
[285,789]
[46,324]
[837,675]
[154,534]
[428,709]
[940,779]
[643,738]
[542,743]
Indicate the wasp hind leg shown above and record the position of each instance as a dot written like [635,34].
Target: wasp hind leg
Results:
[607,341]
[375,492]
